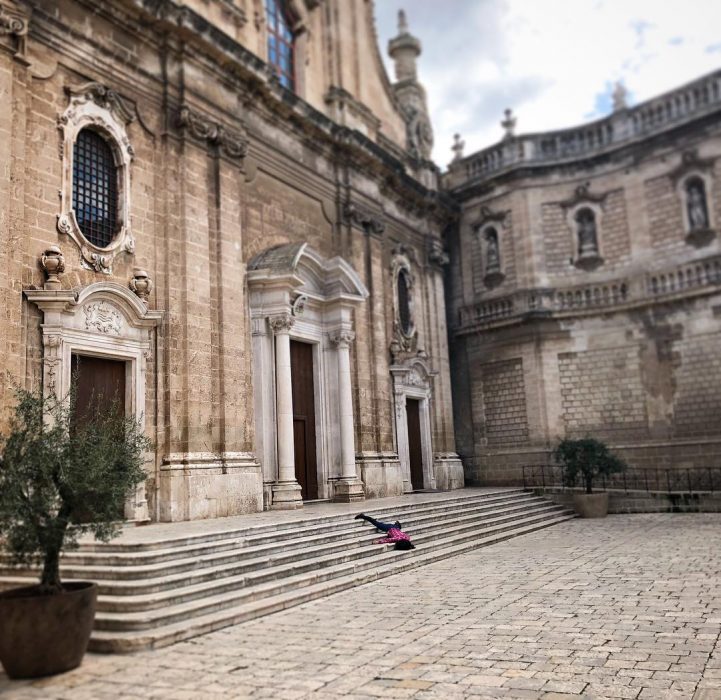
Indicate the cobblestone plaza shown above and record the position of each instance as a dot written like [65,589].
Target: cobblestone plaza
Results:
[627,607]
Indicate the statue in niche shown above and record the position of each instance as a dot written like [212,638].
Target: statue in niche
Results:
[587,236]
[493,255]
[696,205]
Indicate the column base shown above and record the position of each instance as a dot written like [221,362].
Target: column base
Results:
[348,491]
[286,496]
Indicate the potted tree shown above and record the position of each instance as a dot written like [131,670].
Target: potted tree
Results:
[587,458]
[59,478]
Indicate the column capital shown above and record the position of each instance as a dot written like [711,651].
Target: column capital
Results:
[281,323]
[342,338]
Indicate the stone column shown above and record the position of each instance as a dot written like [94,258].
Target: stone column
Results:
[286,491]
[350,487]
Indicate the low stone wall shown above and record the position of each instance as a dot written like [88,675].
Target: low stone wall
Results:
[645,501]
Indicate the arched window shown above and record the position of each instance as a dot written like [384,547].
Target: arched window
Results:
[587,234]
[95,188]
[280,42]
[404,303]
[696,207]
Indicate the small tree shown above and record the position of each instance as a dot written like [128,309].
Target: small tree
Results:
[589,458]
[60,478]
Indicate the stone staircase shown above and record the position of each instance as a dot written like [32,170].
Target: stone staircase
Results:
[152,594]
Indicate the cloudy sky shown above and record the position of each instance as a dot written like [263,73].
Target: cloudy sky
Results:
[554,62]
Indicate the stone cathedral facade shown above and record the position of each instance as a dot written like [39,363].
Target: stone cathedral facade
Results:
[224,215]
[585,290]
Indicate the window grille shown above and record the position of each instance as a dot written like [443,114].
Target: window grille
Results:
[280,42]
[95,188]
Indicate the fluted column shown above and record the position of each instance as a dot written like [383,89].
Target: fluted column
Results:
[350,487]
[286,491]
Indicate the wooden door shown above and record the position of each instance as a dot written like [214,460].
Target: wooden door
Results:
[306,464]
[415,451]
[100,385]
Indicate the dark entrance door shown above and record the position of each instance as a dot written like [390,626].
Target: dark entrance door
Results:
[414,442]
[100,385]
[306,467]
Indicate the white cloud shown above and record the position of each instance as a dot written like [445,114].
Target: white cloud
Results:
[550,60]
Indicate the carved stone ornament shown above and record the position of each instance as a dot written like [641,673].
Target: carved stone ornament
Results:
[342,338]
[298,307]
[282,323]
[141,285]
[233,144]
[97,106]
[103,318]
[582,194]
[436,253]
[488,216]
[363,220]
[12,22]
[53,263]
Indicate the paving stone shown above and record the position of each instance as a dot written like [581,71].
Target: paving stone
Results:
[582,610]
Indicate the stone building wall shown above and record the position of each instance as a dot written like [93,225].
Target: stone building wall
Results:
[620,344]
[225,166]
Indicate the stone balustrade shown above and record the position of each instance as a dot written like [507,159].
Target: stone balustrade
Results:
[689,102]
[687,279]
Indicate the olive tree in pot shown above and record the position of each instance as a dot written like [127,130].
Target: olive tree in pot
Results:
[587,458]
[59,478]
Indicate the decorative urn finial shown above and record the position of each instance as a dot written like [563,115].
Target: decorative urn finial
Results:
[141,285]
[53,263]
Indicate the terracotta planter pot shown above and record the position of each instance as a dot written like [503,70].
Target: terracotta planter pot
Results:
[45,634]
[591,505]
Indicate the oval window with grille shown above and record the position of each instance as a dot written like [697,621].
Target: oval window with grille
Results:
[95,188]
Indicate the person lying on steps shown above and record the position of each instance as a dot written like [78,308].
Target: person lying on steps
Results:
[394,533]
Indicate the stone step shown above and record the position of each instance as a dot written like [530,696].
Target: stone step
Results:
[290,529]
[283,578]
[212,581]
[128,569]
[388,563]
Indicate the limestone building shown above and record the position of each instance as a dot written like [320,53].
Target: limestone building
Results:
[224,213]
[584,288]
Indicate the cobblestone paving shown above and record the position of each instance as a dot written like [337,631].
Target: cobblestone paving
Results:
[627,607]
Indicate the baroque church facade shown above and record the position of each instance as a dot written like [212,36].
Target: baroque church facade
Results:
[585,292]
[224,213]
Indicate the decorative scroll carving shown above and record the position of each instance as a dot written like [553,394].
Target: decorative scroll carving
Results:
[581,195]
[298,308]
[12,23]
[233,143]
[282,323]
[361,219]
[436,253]
[103,318]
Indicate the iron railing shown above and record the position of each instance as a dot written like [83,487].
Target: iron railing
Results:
[662,479]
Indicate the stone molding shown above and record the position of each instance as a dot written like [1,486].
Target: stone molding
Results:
[94,104]
[232,143]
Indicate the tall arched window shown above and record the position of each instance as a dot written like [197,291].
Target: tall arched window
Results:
[95,188]
[280,42]
[404,303]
